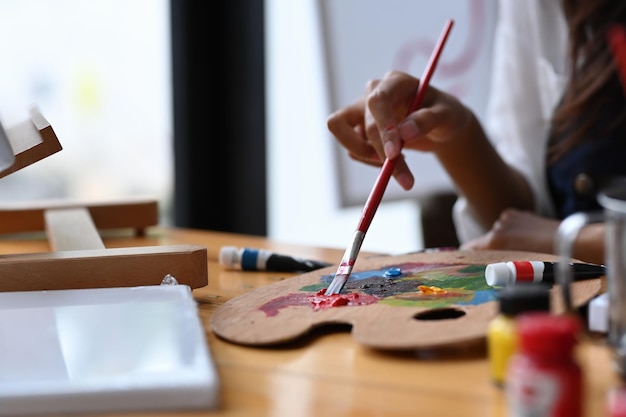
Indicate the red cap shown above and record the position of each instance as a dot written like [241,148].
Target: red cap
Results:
[547,334]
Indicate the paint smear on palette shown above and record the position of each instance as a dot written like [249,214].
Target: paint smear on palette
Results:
[317,301]
[411,284]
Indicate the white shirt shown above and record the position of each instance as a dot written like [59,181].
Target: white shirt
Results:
[529,64]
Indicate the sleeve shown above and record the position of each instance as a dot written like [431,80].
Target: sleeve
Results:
[520,105]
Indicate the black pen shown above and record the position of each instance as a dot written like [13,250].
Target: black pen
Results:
[249,259]
[503,273]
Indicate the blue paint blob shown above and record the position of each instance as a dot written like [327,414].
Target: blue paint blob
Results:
[392,272]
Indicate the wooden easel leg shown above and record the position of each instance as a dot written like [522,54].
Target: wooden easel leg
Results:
[80,260]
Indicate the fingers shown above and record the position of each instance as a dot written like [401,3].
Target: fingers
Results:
[372,132]
[374,127]
[347,125]
[517,230]
[403,174]
[441,119]
[387,106]
[480,243]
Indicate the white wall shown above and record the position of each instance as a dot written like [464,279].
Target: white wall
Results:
[303,198]
[315,192]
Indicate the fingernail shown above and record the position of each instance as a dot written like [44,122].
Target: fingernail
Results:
[391,151]
[390,136]
[408,130]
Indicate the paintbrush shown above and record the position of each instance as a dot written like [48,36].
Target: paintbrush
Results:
[376,195]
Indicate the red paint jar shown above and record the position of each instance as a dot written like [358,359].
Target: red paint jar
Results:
[543,377]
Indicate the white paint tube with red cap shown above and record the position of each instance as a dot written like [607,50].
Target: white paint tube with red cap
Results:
[504,273]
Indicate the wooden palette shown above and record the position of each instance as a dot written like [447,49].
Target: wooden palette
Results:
[386,311]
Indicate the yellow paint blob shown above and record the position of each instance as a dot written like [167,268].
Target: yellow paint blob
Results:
[431,289]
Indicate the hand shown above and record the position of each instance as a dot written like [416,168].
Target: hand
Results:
[375,127]
[518,230]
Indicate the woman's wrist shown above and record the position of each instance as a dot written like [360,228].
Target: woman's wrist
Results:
[589,246]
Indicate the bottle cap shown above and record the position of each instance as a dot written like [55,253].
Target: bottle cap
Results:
[229,256]
[498,274]
[548,334]
[519,298]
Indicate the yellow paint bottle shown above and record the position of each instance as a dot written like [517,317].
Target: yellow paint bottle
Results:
[501,334]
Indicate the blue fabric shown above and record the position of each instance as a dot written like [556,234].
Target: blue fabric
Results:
[603,161]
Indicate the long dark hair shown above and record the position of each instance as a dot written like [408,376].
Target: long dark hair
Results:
[593,86]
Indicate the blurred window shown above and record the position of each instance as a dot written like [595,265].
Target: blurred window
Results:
[99,71]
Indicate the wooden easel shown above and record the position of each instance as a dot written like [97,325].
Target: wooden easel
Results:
[79,258]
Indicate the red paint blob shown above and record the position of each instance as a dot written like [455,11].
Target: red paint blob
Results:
[317,302]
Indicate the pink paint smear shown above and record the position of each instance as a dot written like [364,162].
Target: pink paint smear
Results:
[318,301]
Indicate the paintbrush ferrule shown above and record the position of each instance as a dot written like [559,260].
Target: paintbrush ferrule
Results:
[346,265]
[357,241]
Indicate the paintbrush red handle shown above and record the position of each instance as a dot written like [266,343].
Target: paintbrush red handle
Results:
[376,195]
[430,68]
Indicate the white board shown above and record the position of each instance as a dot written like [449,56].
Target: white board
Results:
[103,350]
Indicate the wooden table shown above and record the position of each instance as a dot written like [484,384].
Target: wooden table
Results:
[329,374]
